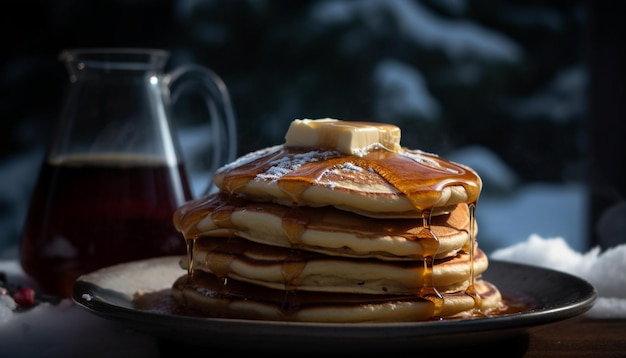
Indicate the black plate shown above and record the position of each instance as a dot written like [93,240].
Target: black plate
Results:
[108,293]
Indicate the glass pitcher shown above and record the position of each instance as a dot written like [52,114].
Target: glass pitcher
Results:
[114,173]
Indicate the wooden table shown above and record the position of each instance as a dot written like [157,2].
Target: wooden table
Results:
[576,337]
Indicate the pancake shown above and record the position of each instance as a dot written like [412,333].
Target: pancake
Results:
[298,270]
[338,224]
[326,230]
[207,294]
[379,184]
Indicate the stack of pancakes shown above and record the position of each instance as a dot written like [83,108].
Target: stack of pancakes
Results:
[311,233]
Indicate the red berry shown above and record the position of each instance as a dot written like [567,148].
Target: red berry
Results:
[24,297]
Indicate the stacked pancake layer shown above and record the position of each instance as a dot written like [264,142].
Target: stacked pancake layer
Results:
[315,234]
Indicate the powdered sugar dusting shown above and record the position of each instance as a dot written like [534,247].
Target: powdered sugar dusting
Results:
[344,167]
[247,158]
[287,164]
[350,167]
[424,158]
[363,151]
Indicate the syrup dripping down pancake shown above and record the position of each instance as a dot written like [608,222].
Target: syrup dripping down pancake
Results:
[379,184]
[339,224]
[235,299]
[326,230]
[290,269]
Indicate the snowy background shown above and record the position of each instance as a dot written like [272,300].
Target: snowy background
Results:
[502,87]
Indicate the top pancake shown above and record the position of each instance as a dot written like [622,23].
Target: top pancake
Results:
[379,184]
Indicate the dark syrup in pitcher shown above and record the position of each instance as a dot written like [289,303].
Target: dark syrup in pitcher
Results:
[91,212]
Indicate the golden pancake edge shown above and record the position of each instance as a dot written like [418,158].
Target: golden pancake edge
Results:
[326,229]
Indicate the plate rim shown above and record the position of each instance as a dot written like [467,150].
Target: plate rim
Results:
[85,294]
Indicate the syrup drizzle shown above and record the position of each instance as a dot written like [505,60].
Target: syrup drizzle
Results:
[471,291]
[419,176]
[429,291]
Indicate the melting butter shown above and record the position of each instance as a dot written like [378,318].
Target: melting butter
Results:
[350,138]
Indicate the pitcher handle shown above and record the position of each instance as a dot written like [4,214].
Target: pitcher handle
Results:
[222,116]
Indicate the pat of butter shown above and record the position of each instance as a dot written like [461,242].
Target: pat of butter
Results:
[351,138]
